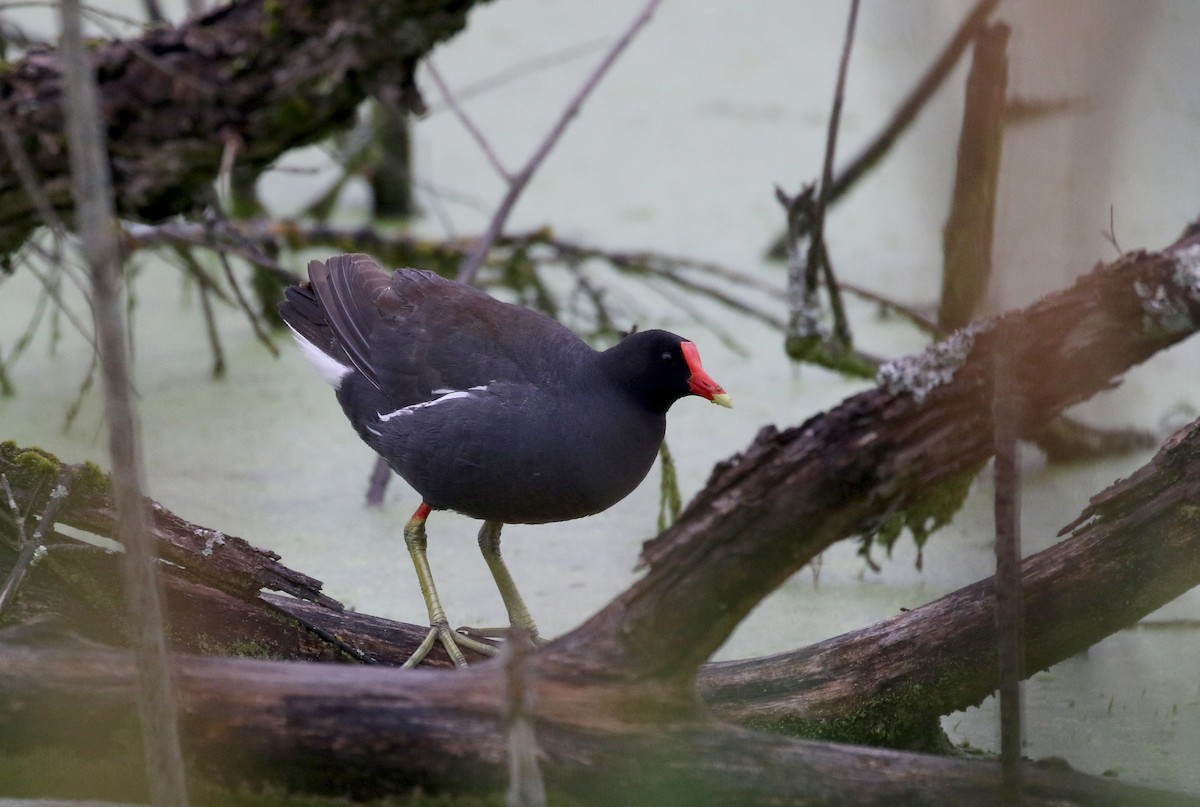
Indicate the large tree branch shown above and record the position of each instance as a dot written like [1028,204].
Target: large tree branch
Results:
[791,494]
[1133,550]
[1120,314]
[267,75]
[359,728]
[886,684]
[373,732]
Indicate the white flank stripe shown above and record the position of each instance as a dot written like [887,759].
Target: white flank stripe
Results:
[408,410]
[332,370]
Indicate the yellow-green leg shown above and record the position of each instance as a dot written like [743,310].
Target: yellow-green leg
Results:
[489,545]
[439,627]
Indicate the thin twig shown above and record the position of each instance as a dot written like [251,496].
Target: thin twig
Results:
[85,386]
[906,113]
[28,178]
[23,342]
[467,122]
[259,332]
[520,70]
[818,255]
[56,295]
[471,264]
[218,235]
[381,474]
[933,78]
[1006,415]
[210,324]
[231,144]
[806,337]
[31,544]
[91,186]
[154,11]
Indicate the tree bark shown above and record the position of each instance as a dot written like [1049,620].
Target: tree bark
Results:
[369,732]
[261,76]
[888,451]
[1132,551]
[605,701]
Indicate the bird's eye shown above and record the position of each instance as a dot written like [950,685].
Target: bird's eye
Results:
[668,357]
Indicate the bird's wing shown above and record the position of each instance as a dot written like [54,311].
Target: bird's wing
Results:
[416,335]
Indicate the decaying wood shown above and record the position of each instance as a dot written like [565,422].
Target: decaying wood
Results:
[372,731]
[967,237]
[1133,550]
[616,694]
[887,684]
[268,75]
[791,494]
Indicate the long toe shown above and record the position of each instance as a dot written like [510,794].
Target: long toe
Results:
[452,641]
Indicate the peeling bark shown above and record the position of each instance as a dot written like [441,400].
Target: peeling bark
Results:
[264,75]
[792,493]
[370,732]
[611,706]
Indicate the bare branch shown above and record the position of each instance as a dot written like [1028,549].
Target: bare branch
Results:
[467,123]
[473,261]
[92,190]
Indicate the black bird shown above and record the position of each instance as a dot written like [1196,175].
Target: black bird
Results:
[487,408]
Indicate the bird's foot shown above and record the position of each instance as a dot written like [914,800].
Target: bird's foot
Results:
[452,641]
[501,633]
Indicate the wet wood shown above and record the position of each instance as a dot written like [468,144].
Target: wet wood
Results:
[967,237]
[261,76]
[792,493]
[372,731]
[618,692]
[1131,552]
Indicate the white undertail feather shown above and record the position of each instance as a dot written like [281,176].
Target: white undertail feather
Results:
[332,370]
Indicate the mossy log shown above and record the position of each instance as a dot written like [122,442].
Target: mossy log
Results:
[371,732]
[258,77]
[615,700]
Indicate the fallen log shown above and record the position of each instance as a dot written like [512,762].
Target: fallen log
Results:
[617,694]
[887,684]
[253,79]
[895,454]
[373,731]
[1133,550]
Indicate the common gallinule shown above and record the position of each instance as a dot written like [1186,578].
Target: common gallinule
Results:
[487,408]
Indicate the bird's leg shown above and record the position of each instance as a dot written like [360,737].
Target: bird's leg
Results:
[416,541]
[489,545]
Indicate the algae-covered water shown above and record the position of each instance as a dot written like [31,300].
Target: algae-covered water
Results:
[679,151]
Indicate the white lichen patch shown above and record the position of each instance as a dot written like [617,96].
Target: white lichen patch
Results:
[217,538]
[925,372]
[1187,271]
[807,321]
[1164,311]
[1166,305]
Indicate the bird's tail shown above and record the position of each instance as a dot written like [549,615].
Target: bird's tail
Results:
[307,318]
